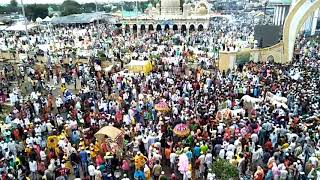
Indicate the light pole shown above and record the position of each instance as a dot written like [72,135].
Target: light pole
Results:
[25,22]
[98,30]
[137,15]
[265,10]
[96,6]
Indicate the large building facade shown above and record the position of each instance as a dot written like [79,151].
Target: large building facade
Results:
[170,14]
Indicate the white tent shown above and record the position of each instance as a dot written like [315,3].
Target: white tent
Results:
[3,27]
[47,19]
[20,27]
[39,20]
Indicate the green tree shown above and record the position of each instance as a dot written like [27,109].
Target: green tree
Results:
[107,8]
[89,7]
[33,11]
[12,7]
[70,7]
[143,6]
[154,2]
[129,6]
[2,9]
[13,3]
[224,170]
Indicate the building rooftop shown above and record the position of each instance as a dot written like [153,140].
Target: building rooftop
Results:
[280,2]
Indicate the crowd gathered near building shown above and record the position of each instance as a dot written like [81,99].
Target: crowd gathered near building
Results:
[65,118]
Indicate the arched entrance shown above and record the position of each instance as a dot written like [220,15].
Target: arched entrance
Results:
[175,27]
[200,27]
[150,28]
[183,28]
[166,27]
[270,59]
[119,28]
[135,28]
[192,28]
[127,28]
[297,16]
[143,28]
[159,27]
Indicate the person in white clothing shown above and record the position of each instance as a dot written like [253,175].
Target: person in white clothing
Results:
[33,169]
[208,159]
[91,170]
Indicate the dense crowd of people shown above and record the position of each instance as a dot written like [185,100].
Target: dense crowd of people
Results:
[261,117]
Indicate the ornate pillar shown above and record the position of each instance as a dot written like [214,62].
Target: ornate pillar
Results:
[314,21]
[162,27]
[280,15]
[131,28]
[283,15]
[205,27]
[123,28]
[138,29]
[275,15]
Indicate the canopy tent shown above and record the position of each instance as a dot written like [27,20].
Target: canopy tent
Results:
[109,131]
[39,20]
[84,18]
[20,27]
[140,66]
[113,137]
[3,27]
[47,19]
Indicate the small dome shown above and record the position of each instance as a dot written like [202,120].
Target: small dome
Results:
[150,5]
[202,10]
[157,5]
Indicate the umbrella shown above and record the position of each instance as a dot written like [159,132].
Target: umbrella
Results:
[162,106]
[113,96]
[181,130]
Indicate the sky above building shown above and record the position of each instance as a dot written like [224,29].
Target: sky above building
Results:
[61,1]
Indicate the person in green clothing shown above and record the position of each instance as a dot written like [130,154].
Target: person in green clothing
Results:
[12,163]
[102,167]
[204,147]
[190,140]
[163,176]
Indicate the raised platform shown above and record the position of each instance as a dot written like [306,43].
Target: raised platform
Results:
[228,60]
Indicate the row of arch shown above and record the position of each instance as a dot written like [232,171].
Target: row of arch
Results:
[159,27]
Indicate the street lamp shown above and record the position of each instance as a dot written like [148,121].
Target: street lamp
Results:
[98,29]
[25,22]
[265,10]
[96,5]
